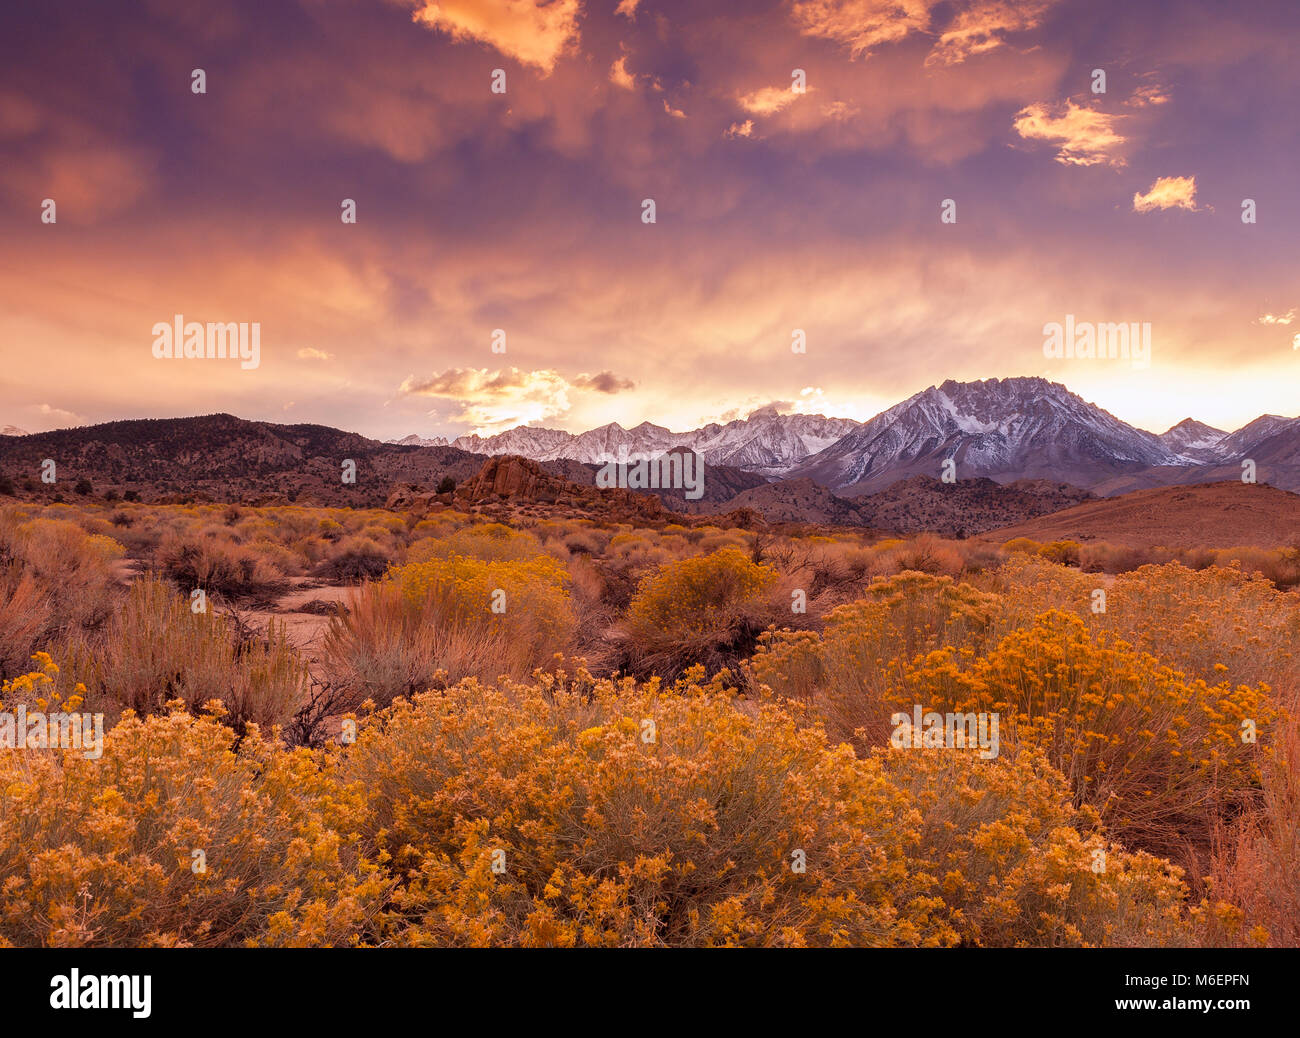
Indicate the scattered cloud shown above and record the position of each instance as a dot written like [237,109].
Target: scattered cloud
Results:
[58,414]
[676,113]
[1084,136]
[768,100]
[308,353]
[980,28]
[605,382]
[861,25]
[535,32]
[1148,96]
[1285,318]
[627,8]
[620,76]
[1167,193]
[745,129]
[975,26]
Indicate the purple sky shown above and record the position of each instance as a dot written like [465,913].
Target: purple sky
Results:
[776,210]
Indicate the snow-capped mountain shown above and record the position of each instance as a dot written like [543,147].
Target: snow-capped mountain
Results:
[1003,429]
[1013,428]
[526,441]
[13,430]
[766,442]
[416,440]
[1194,440]
[1242,442]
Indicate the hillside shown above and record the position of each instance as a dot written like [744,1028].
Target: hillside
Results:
[964,508]
[228,458]
[1207,515]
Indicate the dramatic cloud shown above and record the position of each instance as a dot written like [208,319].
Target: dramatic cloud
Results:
[535,32]
[976,26]
[861,25]
[775,211]
[491,401]
[1167,193]
[1085,136]
[980,28]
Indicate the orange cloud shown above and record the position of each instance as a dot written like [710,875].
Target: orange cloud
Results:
[768,100]
[620,76]
[862,25]
[491,401]
[1167,193]
[536,32]
[1086,137]
[1148,96]
[977,26]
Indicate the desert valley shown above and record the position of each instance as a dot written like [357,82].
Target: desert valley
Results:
[206,582]
[610,474]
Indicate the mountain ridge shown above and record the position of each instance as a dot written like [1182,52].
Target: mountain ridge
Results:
[1004,430]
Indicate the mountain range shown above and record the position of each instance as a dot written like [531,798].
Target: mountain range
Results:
[1000,429]
[1019,447]
[767,443]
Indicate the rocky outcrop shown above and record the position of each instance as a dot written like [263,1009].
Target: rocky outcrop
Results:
[510,480]
[509,475]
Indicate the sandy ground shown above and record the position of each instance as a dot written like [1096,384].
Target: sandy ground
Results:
[293,611]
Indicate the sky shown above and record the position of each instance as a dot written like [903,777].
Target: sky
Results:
[911,190]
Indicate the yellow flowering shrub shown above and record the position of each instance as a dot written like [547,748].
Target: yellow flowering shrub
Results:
[1214,623]
[1156,753]
[429,623]
[494,542]
[102,852]
[850,668]
[1018,864]
[698,609]
[593,813]
[531,597]
[74,572]
[41,688]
